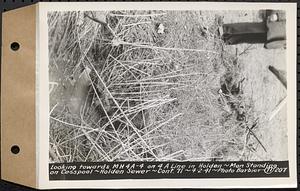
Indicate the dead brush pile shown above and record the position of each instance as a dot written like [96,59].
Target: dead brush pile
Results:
[152,96]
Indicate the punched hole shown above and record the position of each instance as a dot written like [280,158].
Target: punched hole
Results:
[15,46]
[15,149]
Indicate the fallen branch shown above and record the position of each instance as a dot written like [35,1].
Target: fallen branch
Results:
[117,42]
[278,108]
[252,133]
[279,75]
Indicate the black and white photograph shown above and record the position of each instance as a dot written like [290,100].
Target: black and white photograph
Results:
[162,93]
[150,95]
[167,86]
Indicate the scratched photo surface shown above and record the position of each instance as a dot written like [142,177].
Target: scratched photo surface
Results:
[158,85]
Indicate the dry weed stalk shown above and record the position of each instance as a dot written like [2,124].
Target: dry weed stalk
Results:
[155,94]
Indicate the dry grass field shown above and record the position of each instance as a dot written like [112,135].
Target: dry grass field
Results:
[161,86]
